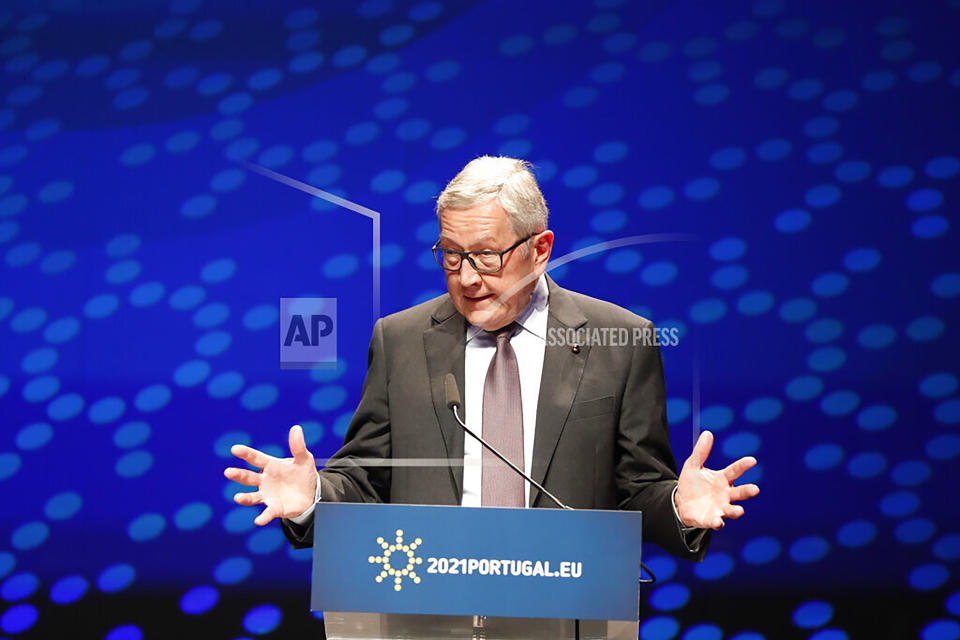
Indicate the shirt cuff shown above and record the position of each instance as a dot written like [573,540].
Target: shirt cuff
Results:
[673,501]
[304,517]
[692,536]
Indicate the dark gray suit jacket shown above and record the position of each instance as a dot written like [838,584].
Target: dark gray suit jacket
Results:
[601,439]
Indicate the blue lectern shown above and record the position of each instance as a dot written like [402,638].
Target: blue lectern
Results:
[403,571]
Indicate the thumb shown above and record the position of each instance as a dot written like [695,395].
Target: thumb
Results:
[298,447]
[701,450]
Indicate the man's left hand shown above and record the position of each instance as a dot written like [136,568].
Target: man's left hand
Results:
[705,497]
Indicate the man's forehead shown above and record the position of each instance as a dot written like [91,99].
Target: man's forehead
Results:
[485,223]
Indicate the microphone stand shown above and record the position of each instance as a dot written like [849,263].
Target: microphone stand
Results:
[455,406]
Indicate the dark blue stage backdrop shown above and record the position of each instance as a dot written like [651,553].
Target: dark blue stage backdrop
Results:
[808,151]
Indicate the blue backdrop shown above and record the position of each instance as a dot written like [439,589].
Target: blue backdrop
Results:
[808,149]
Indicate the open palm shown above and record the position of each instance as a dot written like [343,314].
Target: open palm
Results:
[286,486]
[705,496]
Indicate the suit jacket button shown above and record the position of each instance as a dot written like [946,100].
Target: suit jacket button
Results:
[575,348]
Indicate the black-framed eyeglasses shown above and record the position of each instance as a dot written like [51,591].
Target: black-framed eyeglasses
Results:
[486,261]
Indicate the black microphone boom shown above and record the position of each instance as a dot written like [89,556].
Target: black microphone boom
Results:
[452,392]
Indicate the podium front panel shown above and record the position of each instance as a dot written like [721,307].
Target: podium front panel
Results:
[462,561]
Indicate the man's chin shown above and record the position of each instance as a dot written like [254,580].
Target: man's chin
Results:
[478,317]
[486,312]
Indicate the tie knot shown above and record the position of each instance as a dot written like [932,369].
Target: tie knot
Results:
[504,333]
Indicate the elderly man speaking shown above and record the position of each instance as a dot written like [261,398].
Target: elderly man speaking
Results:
[585,418]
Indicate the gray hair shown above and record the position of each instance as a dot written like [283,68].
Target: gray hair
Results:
[510,181]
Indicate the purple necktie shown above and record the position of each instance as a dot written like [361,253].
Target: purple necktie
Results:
[502,426]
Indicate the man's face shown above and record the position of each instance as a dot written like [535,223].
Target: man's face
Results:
[491,300]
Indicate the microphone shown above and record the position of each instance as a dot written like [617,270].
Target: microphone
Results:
[452,393]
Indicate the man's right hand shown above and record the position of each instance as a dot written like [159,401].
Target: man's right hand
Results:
[287,486]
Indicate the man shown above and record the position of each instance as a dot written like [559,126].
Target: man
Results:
[588,421]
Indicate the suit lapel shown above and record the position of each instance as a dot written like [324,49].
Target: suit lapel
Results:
[444,345]
[562,370]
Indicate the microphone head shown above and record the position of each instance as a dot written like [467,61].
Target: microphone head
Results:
[451,391]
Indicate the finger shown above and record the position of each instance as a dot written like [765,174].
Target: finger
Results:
[701,450]
[243,476]
[737,469]
[733,512]
[717,523]
[248,454]
[298,447]
[743,491]
[249,498]
[265,516]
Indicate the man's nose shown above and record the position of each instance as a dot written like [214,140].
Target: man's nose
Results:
[468,275]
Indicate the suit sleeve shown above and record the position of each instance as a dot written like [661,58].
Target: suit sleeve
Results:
[344,479]
[646,470]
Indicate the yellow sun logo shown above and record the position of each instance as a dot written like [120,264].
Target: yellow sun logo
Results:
[395,555]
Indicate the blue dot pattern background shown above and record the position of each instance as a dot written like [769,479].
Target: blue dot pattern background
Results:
[807,151]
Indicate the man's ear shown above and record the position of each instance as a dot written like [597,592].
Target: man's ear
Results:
[542,247]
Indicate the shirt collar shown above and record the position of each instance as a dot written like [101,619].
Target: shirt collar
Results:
[534,316]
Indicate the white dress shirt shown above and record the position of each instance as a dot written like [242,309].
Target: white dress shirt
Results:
[529,344]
